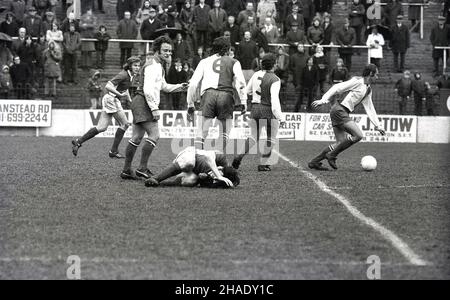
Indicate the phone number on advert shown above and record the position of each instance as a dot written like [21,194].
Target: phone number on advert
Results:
[23,117]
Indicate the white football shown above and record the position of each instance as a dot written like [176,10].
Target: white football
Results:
[368,163]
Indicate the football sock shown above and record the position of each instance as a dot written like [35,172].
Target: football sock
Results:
[146,152]
[348,142]
[117,139]
[224,142]
[322,154]
[249,144]
[199,143]
[88,135]
[129,155]
[172,170]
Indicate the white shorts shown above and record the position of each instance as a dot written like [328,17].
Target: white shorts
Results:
[186,159]
[111,104]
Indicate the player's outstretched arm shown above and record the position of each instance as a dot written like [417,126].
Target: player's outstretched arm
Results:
[372,114]
[211,162]
[336,89]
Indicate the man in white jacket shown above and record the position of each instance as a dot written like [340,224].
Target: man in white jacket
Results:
[345,129]
[375,42]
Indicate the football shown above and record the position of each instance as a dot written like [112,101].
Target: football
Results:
[368,163]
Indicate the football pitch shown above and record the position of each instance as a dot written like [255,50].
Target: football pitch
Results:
[291,223]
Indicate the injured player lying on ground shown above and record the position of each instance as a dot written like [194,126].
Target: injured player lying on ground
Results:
[193,167]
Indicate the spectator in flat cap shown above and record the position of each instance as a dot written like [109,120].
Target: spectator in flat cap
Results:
[10,25]
[33,23]
[294,37]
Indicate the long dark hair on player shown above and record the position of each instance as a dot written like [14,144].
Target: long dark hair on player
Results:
[157,43]
[221,46]
[369,71]
[232,174]
[130,61]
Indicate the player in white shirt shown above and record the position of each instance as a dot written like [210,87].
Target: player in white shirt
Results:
[345,129]
[218,76]
[264,86]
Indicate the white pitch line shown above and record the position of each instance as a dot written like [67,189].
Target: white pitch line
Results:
[387,234]
[394,187]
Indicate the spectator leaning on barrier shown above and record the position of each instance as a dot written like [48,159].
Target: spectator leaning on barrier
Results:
[5,83]
[375,42]
[419,88]
[403,87]
[294,37]
[315,35]
[127,29]
[270,31]
[52,69]
[71,45]
[10,25]
[439,37]
[101,46]
[399,44]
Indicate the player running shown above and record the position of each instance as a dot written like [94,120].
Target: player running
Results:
[145,107]
[195,166]
[117,88]
[218,76]
[345,129]
[264,86]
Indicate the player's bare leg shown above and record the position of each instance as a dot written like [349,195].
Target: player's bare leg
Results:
[102,125]
[354,136]
[121,118]
[133,143]
[152,130]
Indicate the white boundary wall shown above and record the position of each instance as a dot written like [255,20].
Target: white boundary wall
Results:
[299,126]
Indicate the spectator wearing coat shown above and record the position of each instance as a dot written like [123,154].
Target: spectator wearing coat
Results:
[294,37]
[399,44]
[19,9]
[390,13]
[246,52]
[310,78]
[346,38]
[10,25]
[101,46]
[20,77]
[403,87]
[270,31]
[419,91]
[375,42]
[439,37]
[430,94]
[265,8]
[150,25]
[181,49]
[123,6]
[414,13]
[356,18]
[6,56]
[297,64]
[52,69]
[248,12]
[6,85]
[201,24]
[88,25]
[127,29]
[68,21]
[233,29]
[71,45]
[217,20]
[33,23]
[233,7]
[294,17]
[47,21]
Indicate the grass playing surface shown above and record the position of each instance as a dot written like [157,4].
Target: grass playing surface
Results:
[277,225]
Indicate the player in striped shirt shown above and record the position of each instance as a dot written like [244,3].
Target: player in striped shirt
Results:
[264,86]
[217,76]
[345,129]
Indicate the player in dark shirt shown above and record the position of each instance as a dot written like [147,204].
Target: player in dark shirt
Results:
[194,167]
[117,87]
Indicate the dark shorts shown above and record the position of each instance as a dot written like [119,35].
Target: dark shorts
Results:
[218,104]
[339,115]
[260,111]
[141,111]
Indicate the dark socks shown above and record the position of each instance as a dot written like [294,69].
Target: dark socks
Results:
[129,155]
[322,154]
[348,142]
[88,135]
[172,170]
[117,139]
[146,152]
[199,143]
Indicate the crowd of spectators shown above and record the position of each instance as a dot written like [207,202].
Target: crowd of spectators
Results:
[49,50]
